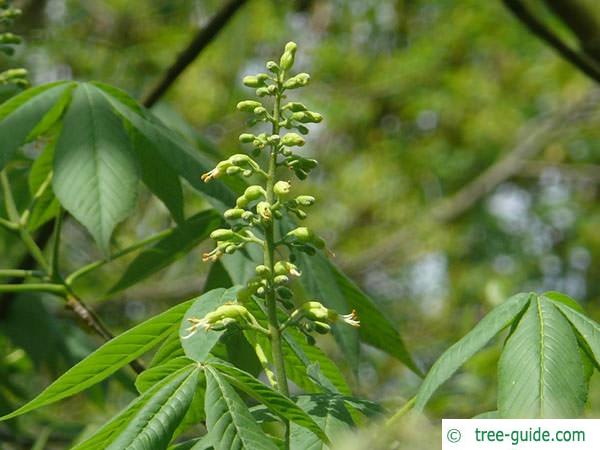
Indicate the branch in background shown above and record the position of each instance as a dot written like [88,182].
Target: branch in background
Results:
[191,52]
[451,208]
[583,18]
[537,27]
[587,173]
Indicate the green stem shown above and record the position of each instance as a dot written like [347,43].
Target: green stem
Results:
[101,262]
[38,194]
[401,412]
[269,260]
[54,270]
[9,225]
[58,289]
[13,215]
[20,273]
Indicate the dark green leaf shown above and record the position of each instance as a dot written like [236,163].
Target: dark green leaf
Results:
[330,412]
[47,205]
[95,170]
[172,247]
[20,114]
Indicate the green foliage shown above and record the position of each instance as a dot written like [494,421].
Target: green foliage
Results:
[541,372]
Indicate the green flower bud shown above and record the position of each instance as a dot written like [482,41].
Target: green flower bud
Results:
[274,139]
[305,200]
[302,234]
[247,173]
[241,159]
[272,89]
[252,81]
[282,188]
[222,234]
[307,117]
[9,38]
[277,214]
[292,139]
[232,170]
[234,213]
[297,81]
[247,216]
[262,92]
[302,129]
[262,270]
[248,105]
[242,202]
[246,138]
[264,210]
[254,192]
[230,249]
[281,279]
[286,268]
[300,214]
[272,67]
[260,111]
[295,107]
[287,59]
[222,317]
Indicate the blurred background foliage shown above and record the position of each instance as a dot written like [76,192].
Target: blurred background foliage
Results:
[420,98]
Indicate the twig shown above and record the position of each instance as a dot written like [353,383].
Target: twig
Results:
[524,14]
[191,52]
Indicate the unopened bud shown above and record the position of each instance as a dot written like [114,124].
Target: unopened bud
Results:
[254,192]
[287,59]
[297,81]
[305,200]
[248,105]
[262,270]
[295,107]
[234,213]
[222,234]
[245,138]
[262,92]
[272,67]
[281,279]
[292,139]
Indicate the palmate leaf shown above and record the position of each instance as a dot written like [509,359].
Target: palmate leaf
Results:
[150,418]
[96,172]
[172,148]
[109,358]
[453,358]
[228,419]
[540,373]
[330,412]
[153,425]
[277,403]
[163,253]
[107,143]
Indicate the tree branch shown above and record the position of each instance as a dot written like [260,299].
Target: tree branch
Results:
[526,16]
[449,209]
[191,52]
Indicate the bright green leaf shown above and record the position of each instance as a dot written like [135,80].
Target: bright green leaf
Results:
[587,328]
[152,376]
[228,419]
[198,346]
[273,400]
[453,358]
[540,373]
[170,248]
[109,358]
[153,425]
